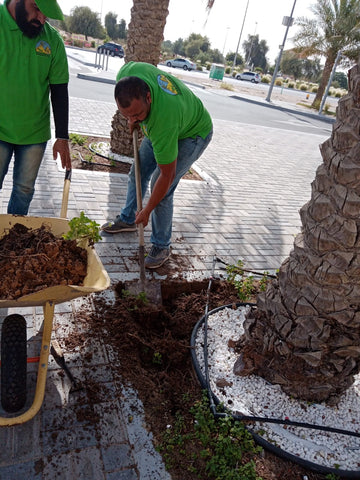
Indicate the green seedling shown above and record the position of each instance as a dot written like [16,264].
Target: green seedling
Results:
[77,139]
[83,228]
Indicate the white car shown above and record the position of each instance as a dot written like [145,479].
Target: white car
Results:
[249,76]
[183,63]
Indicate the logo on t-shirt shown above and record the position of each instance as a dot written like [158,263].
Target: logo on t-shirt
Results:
[43,48]
[166,85]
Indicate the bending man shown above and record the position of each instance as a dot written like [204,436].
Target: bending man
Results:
[177,129]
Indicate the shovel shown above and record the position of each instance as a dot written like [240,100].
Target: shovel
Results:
[151,289]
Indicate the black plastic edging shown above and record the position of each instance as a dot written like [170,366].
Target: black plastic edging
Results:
[258,439]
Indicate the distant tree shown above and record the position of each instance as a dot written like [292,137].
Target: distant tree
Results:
[178,47]
[311,69]
[216,56]
[86,22]
[230,58]
[122,31]
[203,43]
[255,51]
[111,25]
[291,64]
[167,45]
[192,49]
[341,79]
[334,28]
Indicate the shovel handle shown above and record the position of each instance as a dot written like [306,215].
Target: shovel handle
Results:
[138,185]
[65,197]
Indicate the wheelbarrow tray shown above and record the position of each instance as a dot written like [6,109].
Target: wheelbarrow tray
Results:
[96,278]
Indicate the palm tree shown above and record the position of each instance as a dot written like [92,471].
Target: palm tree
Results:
[304,331]
[335,28]
[145,35]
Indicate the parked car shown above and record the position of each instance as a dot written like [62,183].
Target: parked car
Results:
[183,63]
[114,49]
[249,76]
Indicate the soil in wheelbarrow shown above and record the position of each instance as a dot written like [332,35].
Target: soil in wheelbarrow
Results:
[153,346]
[34,259]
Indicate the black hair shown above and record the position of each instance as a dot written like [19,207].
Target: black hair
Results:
[128,88]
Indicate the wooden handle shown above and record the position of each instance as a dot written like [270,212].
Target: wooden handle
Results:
[65,197]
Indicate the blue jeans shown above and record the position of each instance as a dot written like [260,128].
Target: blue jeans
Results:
[26,166]
[189,150]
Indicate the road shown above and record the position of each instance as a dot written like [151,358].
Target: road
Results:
[221,106]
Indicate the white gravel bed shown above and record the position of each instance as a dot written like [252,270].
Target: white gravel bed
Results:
[103,149]
[252,395]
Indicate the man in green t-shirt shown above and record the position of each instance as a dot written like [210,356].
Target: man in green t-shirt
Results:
[177,129]
[33,63]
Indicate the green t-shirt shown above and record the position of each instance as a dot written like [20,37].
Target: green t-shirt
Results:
[27,67]
[176,113]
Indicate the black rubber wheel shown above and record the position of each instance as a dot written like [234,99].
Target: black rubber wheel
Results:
[185,67]
[168,64]
[13,363]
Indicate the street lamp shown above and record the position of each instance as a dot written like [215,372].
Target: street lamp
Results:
[251,44]
[242,27]
[227,33]
[288,21]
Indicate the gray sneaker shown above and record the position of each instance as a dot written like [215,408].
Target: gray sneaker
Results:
[118,226]
[156,257]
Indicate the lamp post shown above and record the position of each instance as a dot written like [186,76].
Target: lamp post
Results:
[251,44]
[242,27]
[288,21]
[227,33]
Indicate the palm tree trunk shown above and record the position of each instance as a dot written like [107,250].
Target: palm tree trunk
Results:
[145,35]
[304,332]
[329,63]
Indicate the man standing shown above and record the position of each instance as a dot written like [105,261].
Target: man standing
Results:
[33,63]
[177,129]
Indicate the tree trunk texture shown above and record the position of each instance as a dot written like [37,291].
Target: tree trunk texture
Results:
[145,35]
[329,63]
[304,331]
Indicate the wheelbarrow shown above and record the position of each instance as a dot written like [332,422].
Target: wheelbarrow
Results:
[96,280]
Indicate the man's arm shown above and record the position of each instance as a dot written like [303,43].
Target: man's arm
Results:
[60,105]
[161,187]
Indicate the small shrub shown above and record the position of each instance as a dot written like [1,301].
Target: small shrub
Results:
[315,89]
[77,139]
[303,87]
[226,86]
[278,82]
[291,85]
[265,79]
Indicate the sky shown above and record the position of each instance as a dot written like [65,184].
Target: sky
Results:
[228,20]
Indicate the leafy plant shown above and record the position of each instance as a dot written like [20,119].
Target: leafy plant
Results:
[83,228]
[77,139]
[245,284]
[222,444]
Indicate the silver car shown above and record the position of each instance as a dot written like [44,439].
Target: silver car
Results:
[249,76]
[183,63]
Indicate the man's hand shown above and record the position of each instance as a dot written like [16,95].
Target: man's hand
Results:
[61,147]
[142,217]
